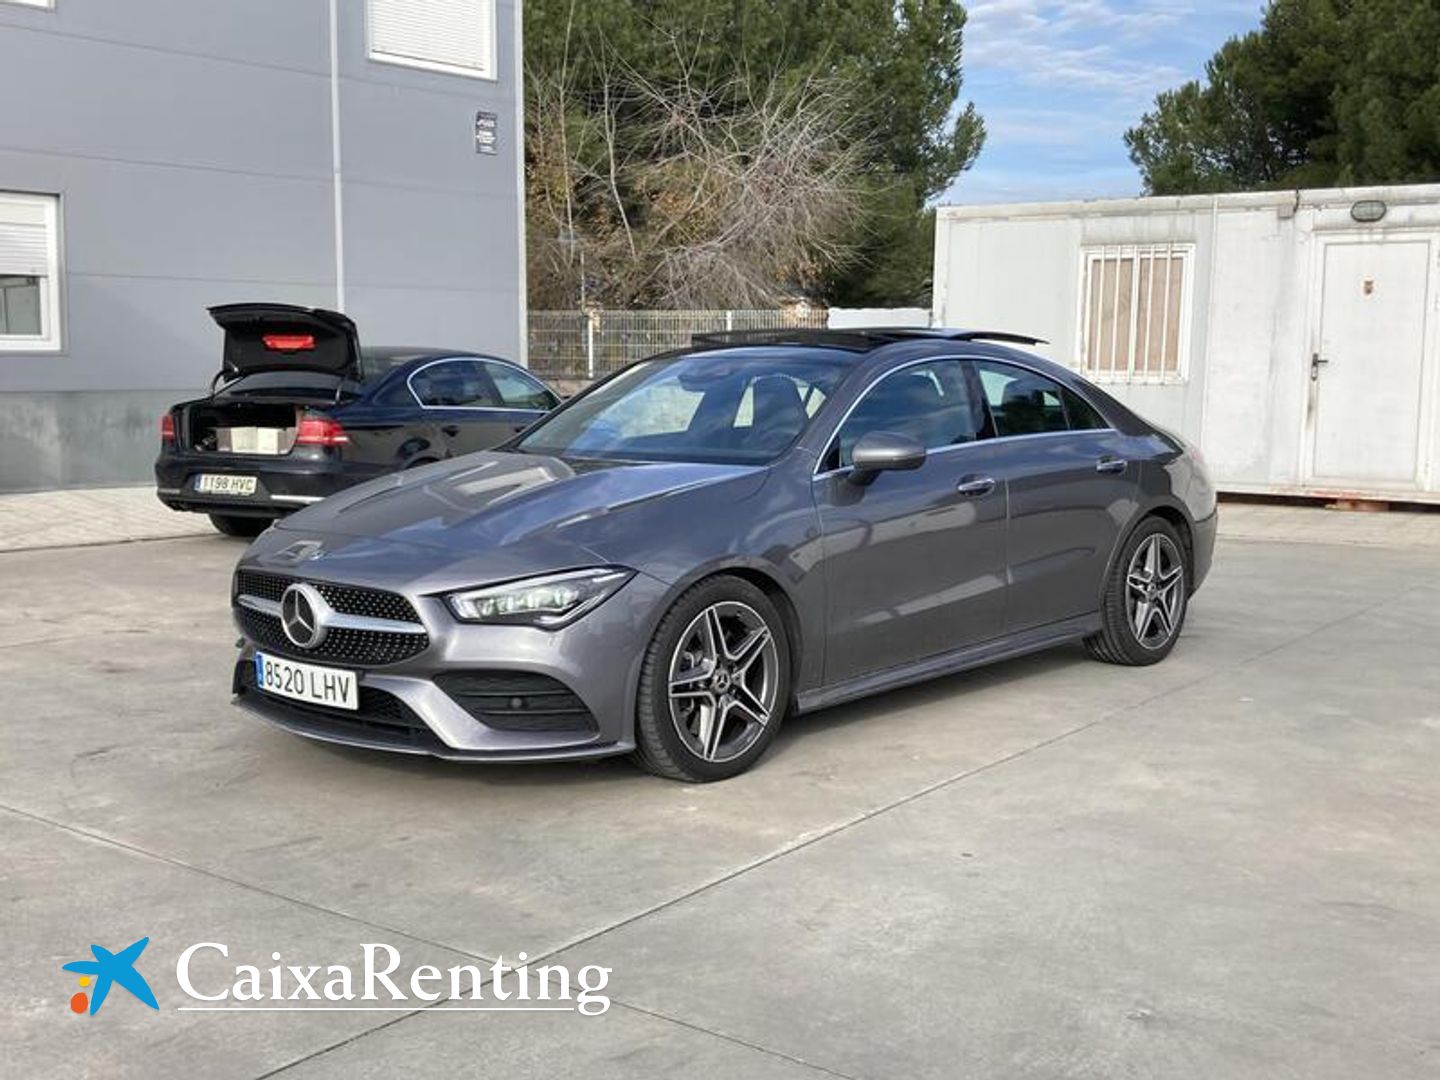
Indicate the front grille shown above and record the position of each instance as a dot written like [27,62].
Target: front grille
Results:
[367,648]
[517,701]
[346,599]
[381,718]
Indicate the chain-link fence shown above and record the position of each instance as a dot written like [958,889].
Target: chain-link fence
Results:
[573,347]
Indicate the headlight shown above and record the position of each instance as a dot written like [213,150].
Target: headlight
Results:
[551,601]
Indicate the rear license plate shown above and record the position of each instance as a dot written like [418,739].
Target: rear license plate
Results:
[216,484]
[306,682]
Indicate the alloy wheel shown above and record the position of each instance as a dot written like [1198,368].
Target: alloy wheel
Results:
[1155,591]
[723,681]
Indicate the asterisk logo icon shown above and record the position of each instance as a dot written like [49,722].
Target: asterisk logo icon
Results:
[107,969]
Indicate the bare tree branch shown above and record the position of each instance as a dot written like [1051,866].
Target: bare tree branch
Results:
[692,194]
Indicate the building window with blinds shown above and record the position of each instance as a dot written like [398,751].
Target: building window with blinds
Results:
[1135,312]
[29,273]
[452,36]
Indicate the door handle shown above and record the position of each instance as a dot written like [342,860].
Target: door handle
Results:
[1315,361]
[973,486]
[1109,464]
[451,429]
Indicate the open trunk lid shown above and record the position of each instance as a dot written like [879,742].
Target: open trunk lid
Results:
[284,337]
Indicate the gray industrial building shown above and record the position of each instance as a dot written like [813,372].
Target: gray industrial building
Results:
[158,157]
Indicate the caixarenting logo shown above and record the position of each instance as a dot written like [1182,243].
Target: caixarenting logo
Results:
[205,975]
[105,971]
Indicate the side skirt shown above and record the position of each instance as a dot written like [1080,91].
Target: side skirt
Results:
[933,667]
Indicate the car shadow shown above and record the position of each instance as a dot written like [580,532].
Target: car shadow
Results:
[496,774]
[619,770]
[948,688]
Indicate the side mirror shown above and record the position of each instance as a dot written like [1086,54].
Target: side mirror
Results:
[884,451]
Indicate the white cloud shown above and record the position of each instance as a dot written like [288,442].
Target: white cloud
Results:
[1024,185]
[1046,127]
[1093,44]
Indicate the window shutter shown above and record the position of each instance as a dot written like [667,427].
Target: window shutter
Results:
[451,33]
[24,249]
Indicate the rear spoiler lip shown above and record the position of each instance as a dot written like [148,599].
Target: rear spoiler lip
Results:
[230,317]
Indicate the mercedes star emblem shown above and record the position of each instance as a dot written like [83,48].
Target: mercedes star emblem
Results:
[302,614]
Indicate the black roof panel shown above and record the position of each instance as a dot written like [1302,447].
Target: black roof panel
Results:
[860,339]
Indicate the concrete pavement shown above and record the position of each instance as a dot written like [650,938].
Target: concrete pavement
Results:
[1225,865]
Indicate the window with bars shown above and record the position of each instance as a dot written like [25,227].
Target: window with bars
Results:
[453,36]
[1135,312]
[29,273]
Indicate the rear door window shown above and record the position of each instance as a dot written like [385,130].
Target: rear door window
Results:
[1024,402]
[455,384]
[1081,414]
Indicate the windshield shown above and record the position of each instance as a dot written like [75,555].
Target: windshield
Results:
[724,407]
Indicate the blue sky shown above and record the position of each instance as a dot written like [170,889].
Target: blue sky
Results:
[1059,81]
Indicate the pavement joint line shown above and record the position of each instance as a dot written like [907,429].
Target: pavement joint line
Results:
[111,542]
[769,1051]
[59,640]
[170,860]
[321,1051]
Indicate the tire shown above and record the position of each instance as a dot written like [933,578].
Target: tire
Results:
[1153,551]
[235,525]
[678,738]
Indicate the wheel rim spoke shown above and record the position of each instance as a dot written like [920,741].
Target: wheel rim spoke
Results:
[1141,619]
[714,637]
[749,650]
[692,683]
[1163,618]
[712,729]
[746,701]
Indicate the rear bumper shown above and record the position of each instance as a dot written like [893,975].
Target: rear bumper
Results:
[282,484]
[1203,537]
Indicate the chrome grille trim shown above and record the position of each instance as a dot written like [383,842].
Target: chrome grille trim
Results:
[337,619]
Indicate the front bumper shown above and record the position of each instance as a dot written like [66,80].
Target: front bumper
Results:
[283,483]
[404,709]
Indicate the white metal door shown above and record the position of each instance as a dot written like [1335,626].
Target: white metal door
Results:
[1367,372]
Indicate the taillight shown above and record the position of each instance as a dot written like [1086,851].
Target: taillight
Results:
[320,431]
[167,428]
[289,342]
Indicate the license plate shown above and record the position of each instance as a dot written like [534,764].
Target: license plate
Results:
[307,682]
[219,484]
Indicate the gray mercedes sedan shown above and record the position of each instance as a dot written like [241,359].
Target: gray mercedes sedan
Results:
[717,538]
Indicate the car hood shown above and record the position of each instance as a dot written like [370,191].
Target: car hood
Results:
[501,515]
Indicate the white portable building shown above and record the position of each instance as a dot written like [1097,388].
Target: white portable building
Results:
[1295,336]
